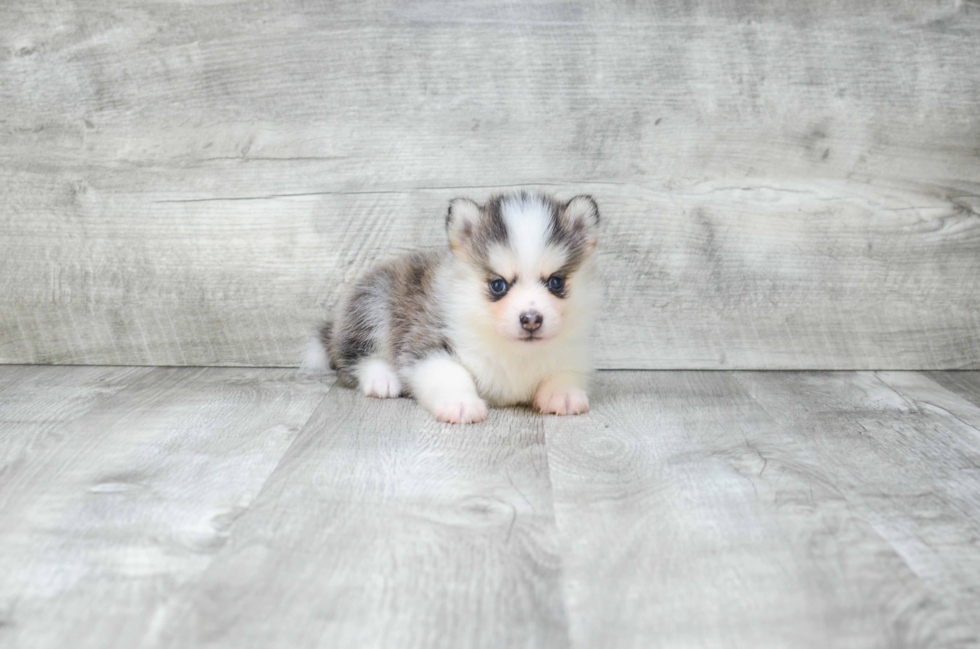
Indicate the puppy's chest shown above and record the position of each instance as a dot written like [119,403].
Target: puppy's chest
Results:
[505,379]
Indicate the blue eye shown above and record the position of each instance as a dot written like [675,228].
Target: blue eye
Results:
[556,283]
[498,286]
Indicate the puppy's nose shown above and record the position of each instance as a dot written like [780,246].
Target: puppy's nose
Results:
[531,320]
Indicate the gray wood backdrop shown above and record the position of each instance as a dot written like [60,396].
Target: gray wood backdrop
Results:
[786,184]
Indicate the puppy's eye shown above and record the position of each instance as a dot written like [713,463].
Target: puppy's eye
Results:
[556,283]
[498,286]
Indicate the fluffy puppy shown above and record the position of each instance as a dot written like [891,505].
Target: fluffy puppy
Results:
[503,317]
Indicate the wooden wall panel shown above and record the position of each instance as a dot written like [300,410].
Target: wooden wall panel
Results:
[783,185]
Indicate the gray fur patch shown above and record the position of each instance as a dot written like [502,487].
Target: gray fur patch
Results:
[573,234]
[390,313]
[477,234]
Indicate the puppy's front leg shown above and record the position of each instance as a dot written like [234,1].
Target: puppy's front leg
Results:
[563,394]
[443,387]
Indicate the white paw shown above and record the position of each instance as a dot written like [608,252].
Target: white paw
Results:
[460,410]
[562,401]
[378,379]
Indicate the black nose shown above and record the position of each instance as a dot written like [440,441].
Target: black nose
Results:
[531,320]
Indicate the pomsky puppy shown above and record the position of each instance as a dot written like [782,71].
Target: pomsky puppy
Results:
[504,317]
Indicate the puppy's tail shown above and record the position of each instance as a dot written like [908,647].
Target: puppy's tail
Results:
[316,358]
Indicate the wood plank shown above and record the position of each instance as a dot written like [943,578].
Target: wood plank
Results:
[691,515]
[382,528]
[36,404]
[905,452]
[98,531]
[785,186]
[965,384]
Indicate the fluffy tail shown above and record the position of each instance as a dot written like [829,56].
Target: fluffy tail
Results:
[317,358]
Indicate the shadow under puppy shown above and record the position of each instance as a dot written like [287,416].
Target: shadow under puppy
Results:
[503,318]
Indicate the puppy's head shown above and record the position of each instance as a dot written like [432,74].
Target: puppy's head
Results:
[525,258]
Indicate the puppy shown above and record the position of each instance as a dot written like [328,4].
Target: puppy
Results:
[503,317]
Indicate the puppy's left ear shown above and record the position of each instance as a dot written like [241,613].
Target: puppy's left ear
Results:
[582,215]
[461,221]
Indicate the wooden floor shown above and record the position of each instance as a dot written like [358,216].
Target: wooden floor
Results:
[240,508]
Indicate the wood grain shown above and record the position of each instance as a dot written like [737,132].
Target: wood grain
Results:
[784,185]
[904,451]
[965,384]
[241,508]
[696,512]
[37,403]
[99,530]
[382,528]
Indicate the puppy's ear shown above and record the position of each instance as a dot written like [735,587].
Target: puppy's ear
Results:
[582,216]
[461,222]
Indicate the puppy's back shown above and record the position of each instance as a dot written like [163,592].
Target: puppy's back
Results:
[390,312]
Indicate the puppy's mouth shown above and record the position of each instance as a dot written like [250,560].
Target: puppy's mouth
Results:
[531,338]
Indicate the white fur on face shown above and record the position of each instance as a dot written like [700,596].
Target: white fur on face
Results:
[528,294]
[528,222]
[486,335]
[526,263]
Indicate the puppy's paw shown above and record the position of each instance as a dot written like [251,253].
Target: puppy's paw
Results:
[379,380]
[460,410]
[561,401]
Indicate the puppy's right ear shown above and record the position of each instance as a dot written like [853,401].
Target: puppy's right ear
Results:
[461,222]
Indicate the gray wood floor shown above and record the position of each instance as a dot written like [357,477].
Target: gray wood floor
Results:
[256,508]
